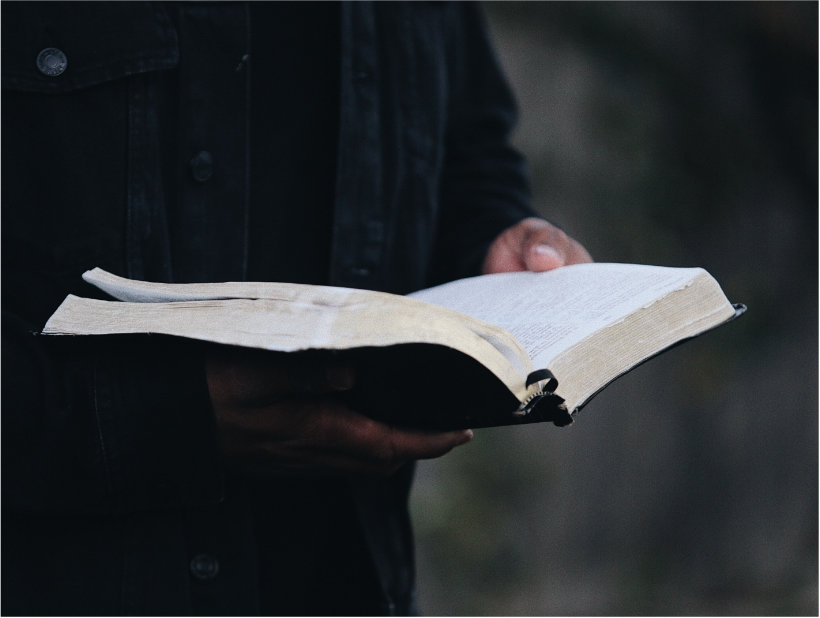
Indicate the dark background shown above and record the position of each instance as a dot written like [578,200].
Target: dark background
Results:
[675,134]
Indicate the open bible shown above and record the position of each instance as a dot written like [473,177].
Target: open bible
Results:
[490,350]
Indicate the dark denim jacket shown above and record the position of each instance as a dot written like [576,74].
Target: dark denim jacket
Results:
[106,454]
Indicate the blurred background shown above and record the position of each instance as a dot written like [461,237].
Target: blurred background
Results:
[674,134]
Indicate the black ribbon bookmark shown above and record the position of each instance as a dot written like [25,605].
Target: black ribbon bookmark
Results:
[543,374]
[546,406]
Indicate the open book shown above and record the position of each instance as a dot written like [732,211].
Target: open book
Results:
[489,350]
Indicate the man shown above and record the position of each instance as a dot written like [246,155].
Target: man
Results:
[351,144]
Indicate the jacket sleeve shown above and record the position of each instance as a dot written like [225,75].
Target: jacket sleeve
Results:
[484,185]
[104,425]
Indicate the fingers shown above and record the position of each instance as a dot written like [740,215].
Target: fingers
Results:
[533,244]
[344,441]
[278,415]
[325,437]
[385,445]
[546,246]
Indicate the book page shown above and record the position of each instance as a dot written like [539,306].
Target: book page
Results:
[288,318]
[130,290]
[548,312]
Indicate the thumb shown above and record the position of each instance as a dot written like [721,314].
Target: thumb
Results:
[540,256]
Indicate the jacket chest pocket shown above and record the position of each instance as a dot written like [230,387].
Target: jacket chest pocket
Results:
[58,47]
[77,93]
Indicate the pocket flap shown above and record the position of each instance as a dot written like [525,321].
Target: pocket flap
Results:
[54,47]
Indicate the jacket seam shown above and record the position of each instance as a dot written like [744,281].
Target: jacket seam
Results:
[107,475]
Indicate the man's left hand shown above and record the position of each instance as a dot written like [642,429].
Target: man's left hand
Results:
[533,244]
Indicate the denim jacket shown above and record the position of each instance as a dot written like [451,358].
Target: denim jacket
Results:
[109,448]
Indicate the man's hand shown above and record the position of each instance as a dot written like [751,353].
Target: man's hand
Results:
[283,416]
[533,244]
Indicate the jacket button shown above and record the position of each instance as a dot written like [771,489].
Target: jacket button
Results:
[360,271]
[202,166]
[52,62]
[204,566]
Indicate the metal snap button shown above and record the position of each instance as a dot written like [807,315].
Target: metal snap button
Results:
[204,566]
[52,62]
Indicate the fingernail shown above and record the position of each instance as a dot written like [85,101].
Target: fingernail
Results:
[547,251]
[544,257]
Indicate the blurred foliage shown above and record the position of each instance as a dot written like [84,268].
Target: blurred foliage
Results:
[679,134]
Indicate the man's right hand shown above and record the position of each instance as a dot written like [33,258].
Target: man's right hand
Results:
[283,415]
